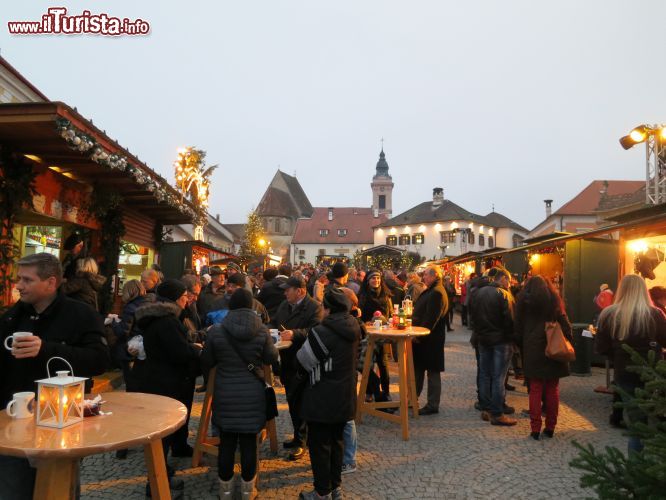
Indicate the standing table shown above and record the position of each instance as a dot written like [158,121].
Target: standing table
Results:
[137,419]
[407,384]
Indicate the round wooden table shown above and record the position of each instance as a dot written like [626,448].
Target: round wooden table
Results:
[136,419]
[407,384]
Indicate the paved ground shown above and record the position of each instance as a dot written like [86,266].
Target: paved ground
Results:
[452,455]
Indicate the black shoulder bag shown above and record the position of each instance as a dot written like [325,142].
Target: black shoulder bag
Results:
[271,401]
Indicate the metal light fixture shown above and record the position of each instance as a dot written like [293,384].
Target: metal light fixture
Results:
[654,137]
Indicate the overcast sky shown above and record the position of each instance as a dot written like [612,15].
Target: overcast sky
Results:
[498,102]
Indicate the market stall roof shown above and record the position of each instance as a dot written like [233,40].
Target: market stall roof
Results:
[382,249]
[58,137]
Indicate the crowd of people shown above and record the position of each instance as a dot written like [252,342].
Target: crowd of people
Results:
[171,331]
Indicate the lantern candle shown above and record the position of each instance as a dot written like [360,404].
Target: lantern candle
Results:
[408,306]
[60,398]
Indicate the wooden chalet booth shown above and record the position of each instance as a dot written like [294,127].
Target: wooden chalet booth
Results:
[176,256]
[86,182]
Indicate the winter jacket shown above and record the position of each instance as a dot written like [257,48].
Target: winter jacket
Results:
[84,286]
[271,295]
[68,329]
[333,398]
[492,314]
[172,363]
[638,340]
[126,328]
[239,403]
[415,290]
[206,299]
[530,335]
[397,292]
[370,302]
[429,312]
[299,319]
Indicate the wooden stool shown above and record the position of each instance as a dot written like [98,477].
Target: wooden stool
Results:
[207,444]
[407,383]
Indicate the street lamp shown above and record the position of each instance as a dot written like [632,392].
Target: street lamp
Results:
[654,137]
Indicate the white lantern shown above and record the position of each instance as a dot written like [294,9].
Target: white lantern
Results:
[408,306]
[60,398]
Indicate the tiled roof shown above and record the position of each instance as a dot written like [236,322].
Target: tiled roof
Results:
[358,223]
[449,211]
[277,203]
[301,200]
[498,220]
[238,230]
[588,201]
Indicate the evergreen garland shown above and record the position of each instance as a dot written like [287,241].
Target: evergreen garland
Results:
[17,187]
[106,207]
[611,474]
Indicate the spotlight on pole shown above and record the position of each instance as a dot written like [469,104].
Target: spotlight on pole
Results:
[654,137]
[636,136]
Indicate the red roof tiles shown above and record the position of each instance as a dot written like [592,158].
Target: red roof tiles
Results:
[357,221]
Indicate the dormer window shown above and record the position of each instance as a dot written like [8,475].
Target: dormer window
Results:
[342,232]
[323,233]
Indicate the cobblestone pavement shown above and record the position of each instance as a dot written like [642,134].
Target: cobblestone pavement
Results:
[452,455]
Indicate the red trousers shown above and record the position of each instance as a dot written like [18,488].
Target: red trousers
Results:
[551,388]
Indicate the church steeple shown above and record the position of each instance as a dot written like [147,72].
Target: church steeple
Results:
[382,186]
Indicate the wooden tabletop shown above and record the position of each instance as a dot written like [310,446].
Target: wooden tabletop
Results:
[137,419]
[394,333]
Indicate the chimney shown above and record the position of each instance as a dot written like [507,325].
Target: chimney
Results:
[437,197]
[217,217]
[330,213]
[549,209]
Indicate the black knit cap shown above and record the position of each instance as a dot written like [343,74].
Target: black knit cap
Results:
[236,279]
[71,241]
[171,289]
[340,270]
[241,298]
[336,301]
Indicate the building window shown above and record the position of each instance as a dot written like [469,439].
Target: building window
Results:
[301,252]
[323,233]
[342,232]
[517,239]
[404,239]
[491,242]
[418,239]
[447,236]
[482,240]
[382,201]
[470,237]
[322,251]
[277,225]
[392,241]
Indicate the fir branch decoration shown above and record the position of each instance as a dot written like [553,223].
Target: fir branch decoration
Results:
[17,187]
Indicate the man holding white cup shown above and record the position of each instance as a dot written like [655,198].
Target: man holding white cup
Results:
[43,324]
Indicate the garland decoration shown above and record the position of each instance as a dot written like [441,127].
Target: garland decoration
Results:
[17,187]
[78,141]
[106,207]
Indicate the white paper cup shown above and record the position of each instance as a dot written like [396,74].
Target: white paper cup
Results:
[14,336]
[275,335]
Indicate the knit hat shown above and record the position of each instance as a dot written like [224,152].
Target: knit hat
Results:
[71,241]
[340,270]
[236,279]
[336,301]
[603,287]
[215,271]
[171,289]
[373,273]
[241,298]
[233,266]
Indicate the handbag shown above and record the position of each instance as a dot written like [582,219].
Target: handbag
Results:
[558,348]
[269,392]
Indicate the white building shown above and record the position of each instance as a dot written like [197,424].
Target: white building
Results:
[439,228]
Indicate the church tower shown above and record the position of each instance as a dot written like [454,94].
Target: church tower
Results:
[382,188]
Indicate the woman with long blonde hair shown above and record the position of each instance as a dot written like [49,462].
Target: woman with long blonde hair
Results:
[631,320]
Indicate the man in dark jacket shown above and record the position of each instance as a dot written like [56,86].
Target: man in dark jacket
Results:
[294,316]
[492,313]
[329,399]
[211,292]
[430,312]
[60,326]
[271,294]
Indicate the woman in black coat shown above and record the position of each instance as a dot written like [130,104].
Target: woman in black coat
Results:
[538,303]
[86,283]
[329,400]
[239,401]
[373,296]
[430,312]
[172,363]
